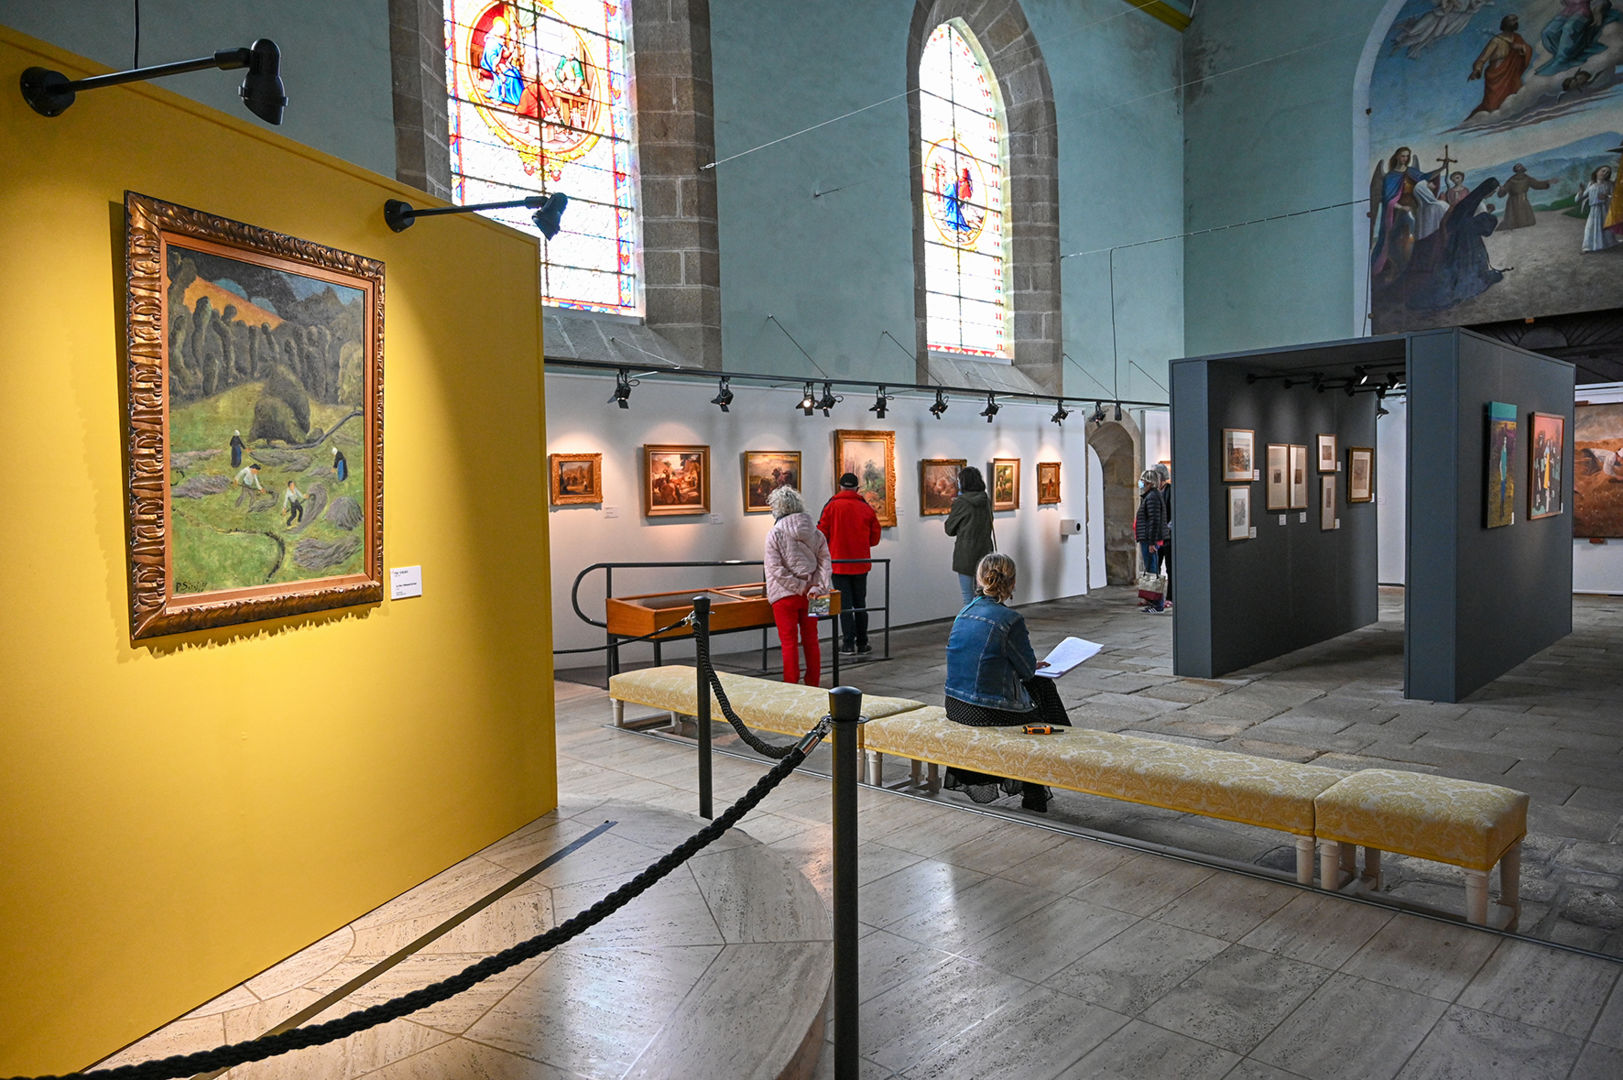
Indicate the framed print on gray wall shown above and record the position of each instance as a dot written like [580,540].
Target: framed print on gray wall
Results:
[1239,454]
[1239,516]
[1360,474]
[1298,477]
[1327,503]
[1327,453]
[1279,488]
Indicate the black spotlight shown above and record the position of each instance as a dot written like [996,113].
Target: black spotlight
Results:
[878,407]
[808,400]
[549,219]
[622,389]
[940,405]
[1098,416]
[991,407]
[724,395]
[49,93]
[1363,375]
[828,400]
[1118,412]
[1060,413]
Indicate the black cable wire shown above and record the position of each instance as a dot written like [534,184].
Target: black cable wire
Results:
[135,63]
[226,1057]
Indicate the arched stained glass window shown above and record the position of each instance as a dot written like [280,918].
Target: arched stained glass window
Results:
[541,101]
[963,155]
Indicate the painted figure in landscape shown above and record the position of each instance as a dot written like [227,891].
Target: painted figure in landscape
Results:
[1597,470]
[1518,142]
[267,372]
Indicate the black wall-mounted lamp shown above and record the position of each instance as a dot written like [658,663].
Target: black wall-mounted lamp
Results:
[1118,412]
[1060,413]
[828,400]
[1098,416]
[622,389]
[49,93]
[548,216]
[808,400]
[991,407]
[940,405]
[879,403]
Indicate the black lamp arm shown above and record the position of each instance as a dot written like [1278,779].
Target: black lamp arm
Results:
[399,215]
[225,60]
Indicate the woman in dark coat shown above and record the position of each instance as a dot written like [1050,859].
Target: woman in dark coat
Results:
[969,522]
[1150,527]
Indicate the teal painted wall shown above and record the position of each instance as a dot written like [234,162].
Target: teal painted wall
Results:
[335,59]
[837,268]
[1269,130]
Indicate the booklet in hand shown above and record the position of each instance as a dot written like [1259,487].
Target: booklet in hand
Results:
[1066,655]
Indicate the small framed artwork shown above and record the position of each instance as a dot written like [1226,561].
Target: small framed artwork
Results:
[872,456]
[1327,503]
[1360,474]
[1047,483]
[1005,483]
[575,479]
[1239,454]
[1546,442]
[1298,477]
[1279,488]
[1500,501]
[676,480]
[765,471]
[1327,453]
[1239,513]
[938,484]
[254,486]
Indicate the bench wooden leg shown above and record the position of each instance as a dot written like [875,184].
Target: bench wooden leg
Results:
[1476,897]
[1510,881]
[1304,860]
[1329,865]
[916,773]
[619,712]
[1372,868]
[934,775]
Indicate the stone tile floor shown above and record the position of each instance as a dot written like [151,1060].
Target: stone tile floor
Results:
[1553,727]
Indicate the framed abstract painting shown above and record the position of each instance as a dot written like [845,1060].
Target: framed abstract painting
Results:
[1546,446]
[1500,466]
[254,414]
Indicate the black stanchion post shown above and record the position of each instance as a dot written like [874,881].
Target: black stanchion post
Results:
[701,641]
[845,707]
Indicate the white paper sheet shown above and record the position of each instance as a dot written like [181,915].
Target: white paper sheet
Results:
[1067,654]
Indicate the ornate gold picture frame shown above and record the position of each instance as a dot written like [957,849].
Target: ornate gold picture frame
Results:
[575,479]
[675,480]
[938,484]
[1047,483]
[255,422]
[872,456]
[1003,483]
[764,472]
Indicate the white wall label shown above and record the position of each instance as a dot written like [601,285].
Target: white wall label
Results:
[1252,534]
[1282,519]
[1301,519]
[405,581]
[715,519]
[611,511]
[1256,474]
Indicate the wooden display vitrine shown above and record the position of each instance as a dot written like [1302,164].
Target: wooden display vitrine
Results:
[732,607]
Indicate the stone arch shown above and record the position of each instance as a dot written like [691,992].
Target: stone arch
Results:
[1117,444]
[1033,282]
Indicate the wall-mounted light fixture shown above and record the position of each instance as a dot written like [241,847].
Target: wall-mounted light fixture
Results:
[940,405]
[724,395]
[49,93]
[622,389]
[829,400]
[878,407]
[991,407]
[1060,413]
[1118,412]
[1098,416]
[549,210]
[808,400]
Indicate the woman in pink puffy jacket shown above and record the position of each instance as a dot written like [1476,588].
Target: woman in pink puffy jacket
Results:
[797,568]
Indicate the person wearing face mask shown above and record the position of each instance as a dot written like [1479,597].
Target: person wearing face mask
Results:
[1150,528]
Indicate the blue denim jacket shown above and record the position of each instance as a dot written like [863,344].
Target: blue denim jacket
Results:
[989,657]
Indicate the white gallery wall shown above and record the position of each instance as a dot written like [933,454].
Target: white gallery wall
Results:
[923,587]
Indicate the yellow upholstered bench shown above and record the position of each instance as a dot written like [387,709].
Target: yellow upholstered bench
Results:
[768,704]
[1461,822]
[1191,779]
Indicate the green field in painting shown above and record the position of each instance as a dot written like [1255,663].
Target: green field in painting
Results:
[232,538]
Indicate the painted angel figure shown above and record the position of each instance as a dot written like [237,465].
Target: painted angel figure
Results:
[1448,18]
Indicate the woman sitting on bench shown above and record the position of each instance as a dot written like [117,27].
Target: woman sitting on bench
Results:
[992,678]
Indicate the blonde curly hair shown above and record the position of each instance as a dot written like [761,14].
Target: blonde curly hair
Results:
[994,577]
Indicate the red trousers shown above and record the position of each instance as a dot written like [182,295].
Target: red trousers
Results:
[796,629]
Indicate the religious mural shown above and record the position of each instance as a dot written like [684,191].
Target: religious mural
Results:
[1495,141]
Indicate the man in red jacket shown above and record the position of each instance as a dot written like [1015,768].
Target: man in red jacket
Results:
[852,529]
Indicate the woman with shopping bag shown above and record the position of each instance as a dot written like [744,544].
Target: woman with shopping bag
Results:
[1150,529]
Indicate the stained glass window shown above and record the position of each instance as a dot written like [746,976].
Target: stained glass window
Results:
[541,101]
[965,257]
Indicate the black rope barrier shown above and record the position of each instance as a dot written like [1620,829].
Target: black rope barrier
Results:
[226,1057]
[701,648]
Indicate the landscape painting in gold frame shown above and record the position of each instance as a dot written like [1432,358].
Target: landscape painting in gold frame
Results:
[254,412]
[575,479]
[871,455]
[1005,483]
[675,480]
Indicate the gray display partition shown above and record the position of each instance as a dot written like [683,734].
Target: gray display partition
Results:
[1240,602]
[1480,600]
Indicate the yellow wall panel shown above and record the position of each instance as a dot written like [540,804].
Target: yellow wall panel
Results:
[179,814]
